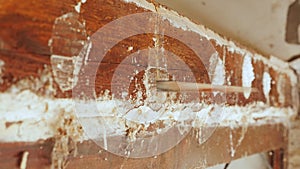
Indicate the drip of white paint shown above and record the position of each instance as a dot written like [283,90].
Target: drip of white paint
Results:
[232,150]
[247,75]
[267,85]
[23,164]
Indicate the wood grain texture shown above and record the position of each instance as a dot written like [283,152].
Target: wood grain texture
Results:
[188,154]
[27,26]
[25,34]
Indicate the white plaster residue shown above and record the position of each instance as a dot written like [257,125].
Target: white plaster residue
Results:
[142,3]
[32,117]
[142,115]
[83,1]
[278,62]
[216,70]
[267,85]
[247,74]
[1,70]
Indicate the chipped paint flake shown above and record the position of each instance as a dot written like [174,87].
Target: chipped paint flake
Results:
[247,75]
[77,7]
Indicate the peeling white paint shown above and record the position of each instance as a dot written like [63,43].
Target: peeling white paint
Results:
[266,85]
[247,75]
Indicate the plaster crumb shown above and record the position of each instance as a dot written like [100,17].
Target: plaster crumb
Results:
[83,1]
[24,159]
[247,75]
[267,85]
[130,48]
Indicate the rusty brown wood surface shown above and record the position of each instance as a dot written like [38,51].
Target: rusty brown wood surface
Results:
[187,154]
[27,26]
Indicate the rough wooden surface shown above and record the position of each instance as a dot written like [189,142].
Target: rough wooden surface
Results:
[293,150]
[27,26]
[188,154]
[25,34]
